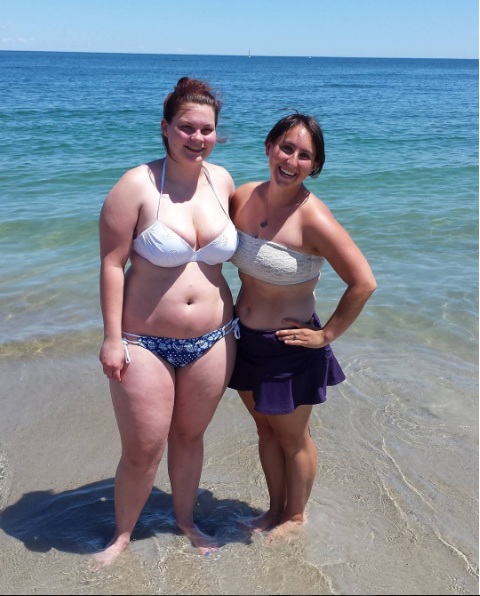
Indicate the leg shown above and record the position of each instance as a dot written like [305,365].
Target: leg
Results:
[272,460]
[143,404]
[199,387]
[292,432]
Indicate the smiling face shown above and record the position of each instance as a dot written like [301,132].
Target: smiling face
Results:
[191,134]
[292,157]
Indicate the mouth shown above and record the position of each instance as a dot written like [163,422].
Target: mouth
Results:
[196,150]
[287,173]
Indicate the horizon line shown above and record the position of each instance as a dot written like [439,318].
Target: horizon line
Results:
[237,55]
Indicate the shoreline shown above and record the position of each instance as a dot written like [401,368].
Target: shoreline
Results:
[390,510]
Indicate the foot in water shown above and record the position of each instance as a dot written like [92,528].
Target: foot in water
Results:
[107,556]
[260,523]
[205,544]
[285,531]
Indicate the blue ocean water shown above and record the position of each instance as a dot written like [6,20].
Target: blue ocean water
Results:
[401,175]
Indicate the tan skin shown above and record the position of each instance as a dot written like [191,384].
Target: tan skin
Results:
[299,220]
[154,402]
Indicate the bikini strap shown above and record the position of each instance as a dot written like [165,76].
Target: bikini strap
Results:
[162,182]
[207,176]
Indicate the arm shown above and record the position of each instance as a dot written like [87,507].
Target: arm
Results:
[118,219]
[329,239]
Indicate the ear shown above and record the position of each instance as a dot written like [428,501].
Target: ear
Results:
[163,127]
[267,149]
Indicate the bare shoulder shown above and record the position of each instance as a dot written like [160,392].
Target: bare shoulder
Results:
[317,213]
[221,177]
[130,192]
[243,201]
[245,191]
[322,231]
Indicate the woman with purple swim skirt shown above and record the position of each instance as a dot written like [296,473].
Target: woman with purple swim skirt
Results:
[284,360]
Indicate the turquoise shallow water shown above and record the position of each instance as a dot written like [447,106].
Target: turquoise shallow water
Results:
[392,507]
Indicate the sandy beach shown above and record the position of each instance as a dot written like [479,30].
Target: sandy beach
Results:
[393,510]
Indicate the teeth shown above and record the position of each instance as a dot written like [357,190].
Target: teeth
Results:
[286,173]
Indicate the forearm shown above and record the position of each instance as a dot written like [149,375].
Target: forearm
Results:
[349,307]
[112,281]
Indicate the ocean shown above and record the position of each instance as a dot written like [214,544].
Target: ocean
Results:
[397,490]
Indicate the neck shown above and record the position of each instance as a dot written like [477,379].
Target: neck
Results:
[276,196]
[183,173]
[281,202]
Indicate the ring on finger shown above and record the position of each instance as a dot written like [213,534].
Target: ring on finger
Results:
[294,337]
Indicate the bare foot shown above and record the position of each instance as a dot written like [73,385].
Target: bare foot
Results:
[107,556]
[262,522]
[203,542]
[286,531]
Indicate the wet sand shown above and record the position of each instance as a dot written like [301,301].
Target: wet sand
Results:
[394,509]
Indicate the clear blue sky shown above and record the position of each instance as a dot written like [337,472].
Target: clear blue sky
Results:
[363,28]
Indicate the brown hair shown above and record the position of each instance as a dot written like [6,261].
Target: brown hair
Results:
[313,127]
[189,91]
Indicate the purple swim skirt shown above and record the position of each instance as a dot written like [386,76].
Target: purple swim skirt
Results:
[283,377]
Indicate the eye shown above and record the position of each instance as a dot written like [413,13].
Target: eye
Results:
[187,128]
[207,131]
[286,149]
[305,156]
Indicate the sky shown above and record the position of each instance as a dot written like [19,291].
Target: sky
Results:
[341,28]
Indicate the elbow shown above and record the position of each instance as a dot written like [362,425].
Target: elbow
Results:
[372,285]
[368,287]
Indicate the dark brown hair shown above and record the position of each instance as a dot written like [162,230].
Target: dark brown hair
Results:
[313,127]
[189,91]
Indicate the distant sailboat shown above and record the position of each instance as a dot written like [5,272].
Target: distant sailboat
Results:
[249,54]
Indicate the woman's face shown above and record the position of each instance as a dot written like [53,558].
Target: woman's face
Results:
[191,134]
[291,157]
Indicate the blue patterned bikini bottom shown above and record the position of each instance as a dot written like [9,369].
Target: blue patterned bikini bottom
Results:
[179,352]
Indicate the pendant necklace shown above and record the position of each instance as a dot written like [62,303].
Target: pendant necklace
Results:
[264,223]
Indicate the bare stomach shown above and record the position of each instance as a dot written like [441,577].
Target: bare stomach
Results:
[180,303]
[263,306]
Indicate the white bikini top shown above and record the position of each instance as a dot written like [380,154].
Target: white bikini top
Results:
[165,248]
[274,263]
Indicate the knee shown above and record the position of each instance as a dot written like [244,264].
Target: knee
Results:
[293,443]
[142,459]
[266,433]
[184,436]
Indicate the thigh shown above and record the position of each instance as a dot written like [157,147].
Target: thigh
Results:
[292,429]
[200,385]
[143,400]
[261,420]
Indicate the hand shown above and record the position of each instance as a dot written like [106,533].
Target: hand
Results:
[112,357]
[302,334]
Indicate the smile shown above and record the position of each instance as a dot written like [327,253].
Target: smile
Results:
[195,149]
[287,173]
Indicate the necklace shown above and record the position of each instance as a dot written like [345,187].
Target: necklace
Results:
[264,223]
[296,203]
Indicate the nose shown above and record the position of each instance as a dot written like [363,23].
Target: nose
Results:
[196,134]
[293,159]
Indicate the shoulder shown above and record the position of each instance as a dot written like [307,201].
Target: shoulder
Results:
[221,177]
[135,177]
[245,191]
[130,190]
[244,199]
[321,228]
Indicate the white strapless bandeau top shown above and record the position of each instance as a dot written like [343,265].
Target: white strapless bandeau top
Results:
[274,263]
